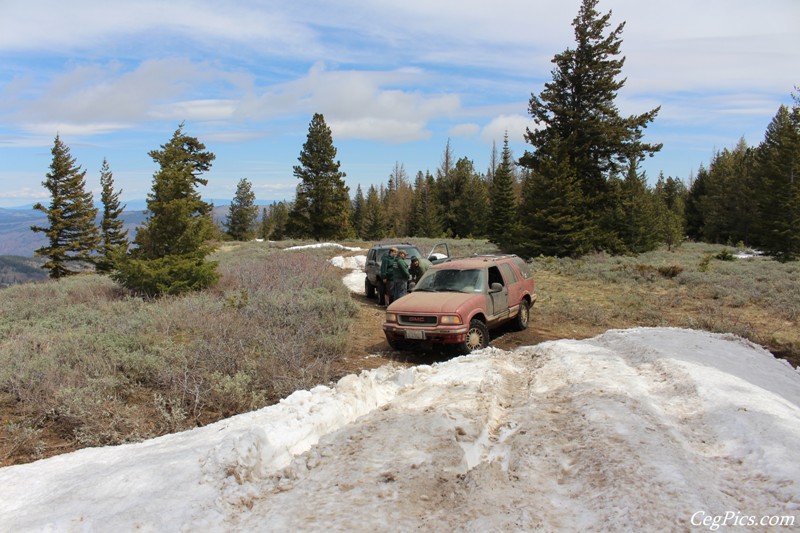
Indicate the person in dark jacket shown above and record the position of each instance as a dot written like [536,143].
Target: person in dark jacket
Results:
[400,276]
[416,270]
[387,267]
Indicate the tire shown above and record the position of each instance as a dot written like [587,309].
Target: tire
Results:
[477,337]
[369,288]
[523,316]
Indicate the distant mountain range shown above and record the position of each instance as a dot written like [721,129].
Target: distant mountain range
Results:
[16,237]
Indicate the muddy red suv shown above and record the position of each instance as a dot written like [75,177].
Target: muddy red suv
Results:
[457,302]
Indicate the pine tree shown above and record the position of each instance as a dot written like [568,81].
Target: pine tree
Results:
[399,197]
[240,223]
[170,252]
[727,206]
[374,224]
[72,234]
[265,226]
[471,205]
[114,238]
[553,220]
[636,210]
[426,221]
[695,218]
[357,213]
[779,194]
[577,110]
[322,203]
[670,218]
[279,217]
[503,219]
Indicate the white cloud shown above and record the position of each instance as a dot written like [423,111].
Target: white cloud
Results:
[514,125]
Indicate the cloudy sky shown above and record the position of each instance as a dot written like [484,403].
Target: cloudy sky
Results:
[394,80]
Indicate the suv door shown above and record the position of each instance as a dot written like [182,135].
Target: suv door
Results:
[498,298]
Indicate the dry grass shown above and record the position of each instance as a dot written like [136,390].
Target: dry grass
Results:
[696,287]
[83,364]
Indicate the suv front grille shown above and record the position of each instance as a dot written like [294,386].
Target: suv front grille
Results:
[417,320]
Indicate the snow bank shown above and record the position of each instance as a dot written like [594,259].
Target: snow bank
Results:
[325,245]
[355,279]
[643,429]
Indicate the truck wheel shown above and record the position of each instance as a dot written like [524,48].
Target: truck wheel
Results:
[369,288]
[524,315]
[477,337]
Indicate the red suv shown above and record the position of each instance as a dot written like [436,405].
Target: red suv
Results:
[457,302]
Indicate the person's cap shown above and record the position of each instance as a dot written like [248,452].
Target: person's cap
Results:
[414,258]
[393,249]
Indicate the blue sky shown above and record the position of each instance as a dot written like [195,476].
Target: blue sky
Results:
[394,80]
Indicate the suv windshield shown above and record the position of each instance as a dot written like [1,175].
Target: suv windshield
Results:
[452,280]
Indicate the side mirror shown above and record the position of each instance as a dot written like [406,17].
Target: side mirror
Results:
[496,287]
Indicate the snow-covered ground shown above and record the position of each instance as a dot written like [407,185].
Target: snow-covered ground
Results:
[634,430]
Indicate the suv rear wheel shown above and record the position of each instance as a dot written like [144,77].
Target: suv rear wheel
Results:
[369,288]
[477,337]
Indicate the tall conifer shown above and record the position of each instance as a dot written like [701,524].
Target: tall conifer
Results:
[114,237]
[779,194]
[240,223]
[171,245]
[322,203]
[577,110]
[503,219]
[72,235]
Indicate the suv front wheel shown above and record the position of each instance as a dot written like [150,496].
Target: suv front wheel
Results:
[477,337]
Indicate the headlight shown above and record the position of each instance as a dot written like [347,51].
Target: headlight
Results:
[391,317]
[450,320]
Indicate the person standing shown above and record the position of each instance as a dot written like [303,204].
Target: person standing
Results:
[387,266]
[416,270]
[400,276]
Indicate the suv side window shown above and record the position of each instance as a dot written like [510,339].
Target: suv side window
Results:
[509,273]
[523,267]
[495,277]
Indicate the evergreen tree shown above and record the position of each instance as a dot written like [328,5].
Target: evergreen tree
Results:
[425,209]
[114,241]
[553,221]
[399,197]
[670,196]
[279,217]
[170,252]
[265,226]
[322,203]
[577,111]
[727,206]
[357,213]
[240,224]
[698,190]
[72,234]
[374,224]
[779,194]
[503,219]
[471,205]
[635,225]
